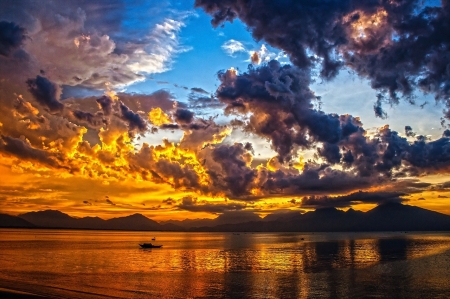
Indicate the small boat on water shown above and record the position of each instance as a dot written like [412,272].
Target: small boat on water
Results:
[149,245]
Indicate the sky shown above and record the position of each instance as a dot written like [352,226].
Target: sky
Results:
[194,109]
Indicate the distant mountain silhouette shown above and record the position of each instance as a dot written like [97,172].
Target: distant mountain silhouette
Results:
[50,218]
[227,218]
[386,217]
[281,216]
[57,219]
[133,222]
[14,221]
[188,223]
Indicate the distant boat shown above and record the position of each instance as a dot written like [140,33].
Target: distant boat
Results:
[154,238]
[149,245]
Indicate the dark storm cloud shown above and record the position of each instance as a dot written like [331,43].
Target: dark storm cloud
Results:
[409,131]
[441,187]
[94,120]
[134,120]
[202,102]
[446,133]
[273,94]
[230,172]
[398,45]
[23,150]
[12,37]
[234,177]
[433,154]
[198,125]
[351,199]
[309,23]
[46,93]
[378,107]
[331,153]
[318,179]
[199,90]
[280,105]
[170,126]
[193,205]
[105,103]
[184,116]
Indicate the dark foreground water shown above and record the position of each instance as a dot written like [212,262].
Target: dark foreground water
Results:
[99,264]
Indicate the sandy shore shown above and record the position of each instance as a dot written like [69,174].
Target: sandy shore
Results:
[13,294]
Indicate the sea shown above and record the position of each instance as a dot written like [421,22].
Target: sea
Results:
[111,264]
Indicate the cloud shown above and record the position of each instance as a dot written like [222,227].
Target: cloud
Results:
[279,103]
[191,204]
[233,176]
[199,90]
[93,120]
[78,45]
[105,103]
[169,201]
[134,120]
[351,199]
[202,102]
[263,55]
[86,47]
[46,93]
[232,46]
[368,37]
[441,187]
[22,149]
[183,116]
[12,37]
[409,131]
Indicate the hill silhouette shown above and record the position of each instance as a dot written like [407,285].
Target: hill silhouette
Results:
[57,219]
[386,217]
[13,221]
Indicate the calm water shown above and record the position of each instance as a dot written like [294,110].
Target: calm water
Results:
[99,264]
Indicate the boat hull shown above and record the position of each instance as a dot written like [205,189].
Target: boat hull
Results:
[149,245]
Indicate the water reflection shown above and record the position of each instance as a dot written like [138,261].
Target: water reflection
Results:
[85,264]
[393,249]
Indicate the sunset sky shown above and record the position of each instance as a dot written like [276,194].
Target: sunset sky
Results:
[192,109]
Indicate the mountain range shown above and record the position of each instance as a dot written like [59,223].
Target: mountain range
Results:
[386,217]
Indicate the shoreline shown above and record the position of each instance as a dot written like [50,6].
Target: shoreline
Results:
[6,293]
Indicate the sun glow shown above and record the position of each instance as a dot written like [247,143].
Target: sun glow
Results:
[362,25]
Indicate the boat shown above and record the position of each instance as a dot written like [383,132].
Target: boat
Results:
[149,245]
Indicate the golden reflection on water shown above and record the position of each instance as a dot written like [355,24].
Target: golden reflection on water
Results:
[223,265]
